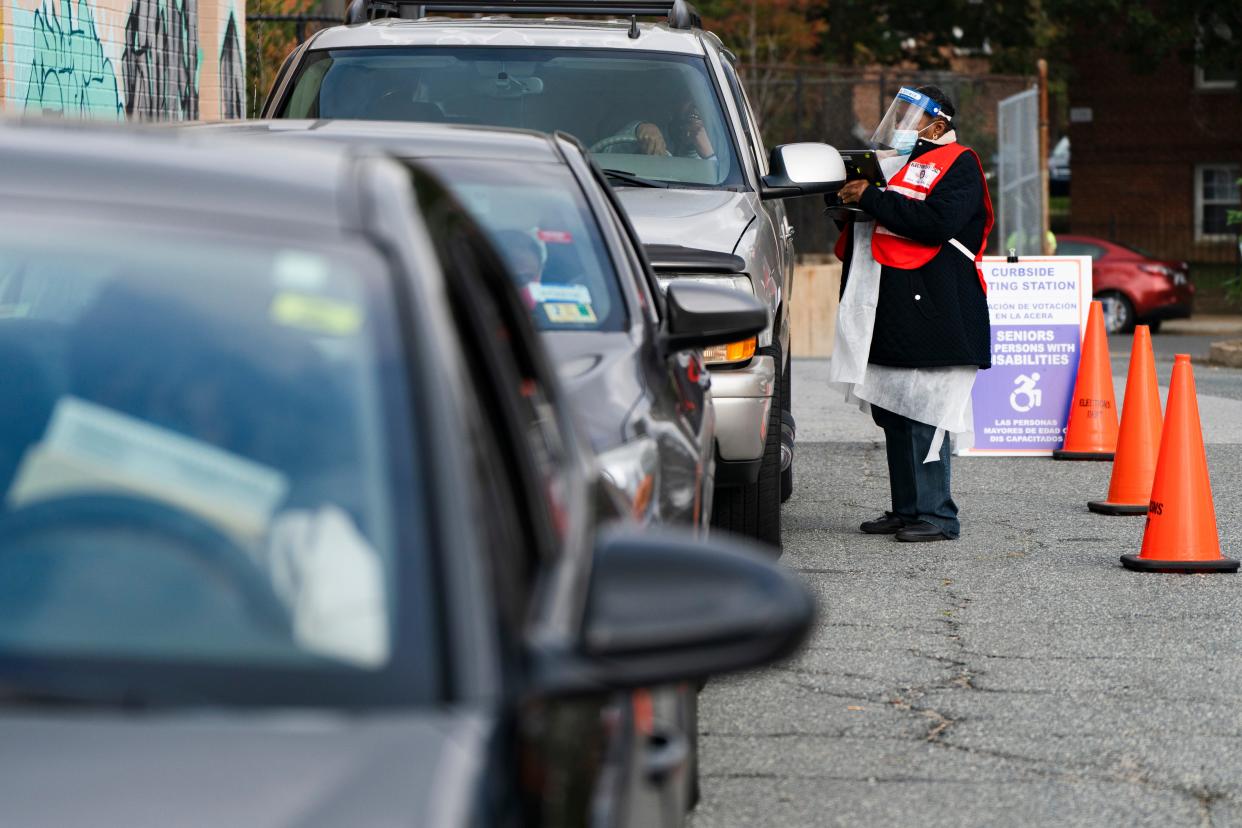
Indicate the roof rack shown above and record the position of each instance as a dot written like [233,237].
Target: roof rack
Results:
[681,15]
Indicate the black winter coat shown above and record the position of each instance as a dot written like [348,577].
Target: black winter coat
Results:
[936,315]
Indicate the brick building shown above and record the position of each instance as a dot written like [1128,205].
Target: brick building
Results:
[151,60]
[1156,156]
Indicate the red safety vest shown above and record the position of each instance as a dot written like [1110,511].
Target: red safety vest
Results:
[916,180]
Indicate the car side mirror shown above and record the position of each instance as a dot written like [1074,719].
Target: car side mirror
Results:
[666,607]
[699,315]
[803,169]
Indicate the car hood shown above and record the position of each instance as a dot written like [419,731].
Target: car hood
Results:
[602,375]
[706,219]
[258,770]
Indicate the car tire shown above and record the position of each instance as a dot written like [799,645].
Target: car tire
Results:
[787,474]
[1154,325]
[1118,311]
[754,509]
[696,789]
[769,494]
[787,483]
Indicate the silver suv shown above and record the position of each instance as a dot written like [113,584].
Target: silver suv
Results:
[662,111]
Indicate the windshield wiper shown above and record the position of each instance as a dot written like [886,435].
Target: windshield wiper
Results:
[21,696]
[632,180]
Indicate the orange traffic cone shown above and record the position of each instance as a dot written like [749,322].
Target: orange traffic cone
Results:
[1092,431]
[1139,442]
[1181,521]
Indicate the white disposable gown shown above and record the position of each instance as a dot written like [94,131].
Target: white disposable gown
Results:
[937,396]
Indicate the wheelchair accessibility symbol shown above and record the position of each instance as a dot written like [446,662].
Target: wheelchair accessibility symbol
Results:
[1026,396]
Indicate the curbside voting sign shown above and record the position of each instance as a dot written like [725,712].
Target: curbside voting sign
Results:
[1038,307]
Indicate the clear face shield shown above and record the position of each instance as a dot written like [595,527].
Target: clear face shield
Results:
[910,113]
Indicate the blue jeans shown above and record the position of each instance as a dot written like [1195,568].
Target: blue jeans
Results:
[920,491]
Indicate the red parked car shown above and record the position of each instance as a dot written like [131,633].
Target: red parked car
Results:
[1132,286]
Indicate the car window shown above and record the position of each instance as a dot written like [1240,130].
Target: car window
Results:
[1074,248]
[1136,250]
[509,367]
[197,442]
[650,294]
[651,114]
[539,221]
[755,138]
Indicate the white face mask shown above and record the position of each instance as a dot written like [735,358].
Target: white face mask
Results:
[905,139]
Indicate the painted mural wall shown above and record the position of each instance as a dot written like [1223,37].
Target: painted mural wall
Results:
[142,60]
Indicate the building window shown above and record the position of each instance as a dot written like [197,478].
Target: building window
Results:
[1214,79]
[1216,193]
[1216,35]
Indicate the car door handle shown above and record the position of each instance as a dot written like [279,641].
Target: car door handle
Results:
[666,754]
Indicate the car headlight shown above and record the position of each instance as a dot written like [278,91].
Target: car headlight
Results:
[731,353]
[632,470]
[734,352]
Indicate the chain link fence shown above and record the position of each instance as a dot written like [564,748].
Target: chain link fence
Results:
[274,28]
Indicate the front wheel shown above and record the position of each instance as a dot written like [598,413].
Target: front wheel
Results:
[1118,311]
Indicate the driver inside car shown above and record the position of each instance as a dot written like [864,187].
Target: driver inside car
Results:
[683,135]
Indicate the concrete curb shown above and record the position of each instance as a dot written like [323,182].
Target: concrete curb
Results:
[1207,324]
[1227,353]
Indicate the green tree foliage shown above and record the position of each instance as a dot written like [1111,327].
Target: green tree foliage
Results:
[767,31]
[1205,33]
[1011,33]
[856,33]
[927,34]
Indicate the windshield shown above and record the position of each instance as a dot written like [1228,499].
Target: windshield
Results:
[649,114]
[197,436]
[540,223]
[1135,249]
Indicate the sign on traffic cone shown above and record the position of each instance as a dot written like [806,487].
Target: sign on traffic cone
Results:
[1092,430]
[1139,441]
[1181,521]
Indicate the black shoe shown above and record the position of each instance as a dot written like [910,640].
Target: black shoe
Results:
[888,524]
[921,532]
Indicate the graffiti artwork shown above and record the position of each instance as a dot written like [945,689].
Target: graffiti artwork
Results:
[160,62]
[232,74]
[142,60]
[69,74]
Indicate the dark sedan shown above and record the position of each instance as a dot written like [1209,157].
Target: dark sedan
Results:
[582,274]
[1133,287]
[296,528]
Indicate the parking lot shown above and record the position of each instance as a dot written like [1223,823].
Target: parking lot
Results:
[1019,675]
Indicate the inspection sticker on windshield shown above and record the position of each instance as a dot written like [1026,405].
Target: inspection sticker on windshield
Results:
[316,313]
[543,292]
[555,236]
[298,270]
[569,313]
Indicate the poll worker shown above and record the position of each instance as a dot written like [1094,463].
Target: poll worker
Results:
[913,327]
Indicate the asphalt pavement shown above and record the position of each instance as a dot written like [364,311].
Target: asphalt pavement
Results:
[1017,675]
